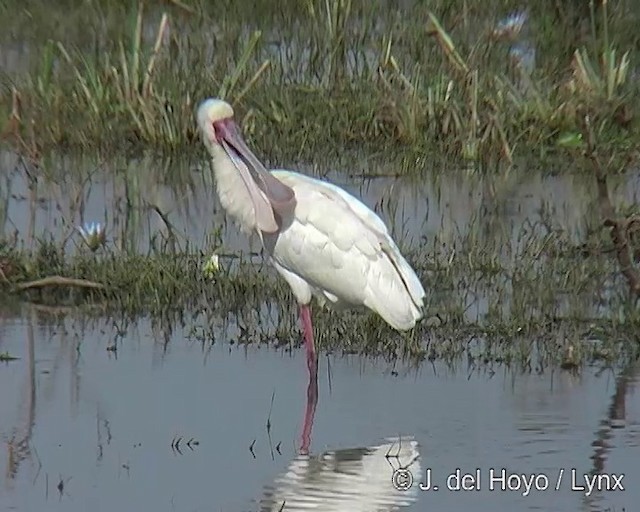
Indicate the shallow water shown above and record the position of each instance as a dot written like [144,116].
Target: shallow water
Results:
[103,423]
[148,204]
[126,195]
[164,423]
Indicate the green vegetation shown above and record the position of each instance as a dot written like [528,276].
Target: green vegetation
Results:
[530,305]
[433,77]
[315,81]
[6,357]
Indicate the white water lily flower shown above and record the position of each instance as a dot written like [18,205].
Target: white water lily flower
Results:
[511,26]
[94,235]
[212,266]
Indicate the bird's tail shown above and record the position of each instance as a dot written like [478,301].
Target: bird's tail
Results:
[395,292]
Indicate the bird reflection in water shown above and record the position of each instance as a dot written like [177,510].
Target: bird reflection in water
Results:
[350,479]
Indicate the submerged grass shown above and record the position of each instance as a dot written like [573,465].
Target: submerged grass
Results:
[439,76]
[439,79]
[546,291]
[546,303]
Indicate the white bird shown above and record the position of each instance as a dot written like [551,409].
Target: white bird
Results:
[376,477]
[323,241]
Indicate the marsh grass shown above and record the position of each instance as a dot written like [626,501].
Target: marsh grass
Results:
[311,80]
[497,292]
[324,74]
[532,307]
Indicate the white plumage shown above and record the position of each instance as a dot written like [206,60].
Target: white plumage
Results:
[321,239]
[350,480]
[341,252]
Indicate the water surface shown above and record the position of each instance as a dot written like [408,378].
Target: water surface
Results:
[167,423]
[128,194]
[105,424]
[484,222]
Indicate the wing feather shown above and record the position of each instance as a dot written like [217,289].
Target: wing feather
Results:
[344,249]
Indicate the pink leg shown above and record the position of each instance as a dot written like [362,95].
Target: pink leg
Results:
[312,388]
[307,327]
[309,413]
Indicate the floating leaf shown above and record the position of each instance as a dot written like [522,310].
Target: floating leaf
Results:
[570,140]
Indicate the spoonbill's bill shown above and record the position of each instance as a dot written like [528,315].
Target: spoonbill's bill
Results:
[323,241]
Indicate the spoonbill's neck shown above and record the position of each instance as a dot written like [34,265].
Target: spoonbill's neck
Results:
[231,190]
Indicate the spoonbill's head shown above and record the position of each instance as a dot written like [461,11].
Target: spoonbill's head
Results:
[221,136]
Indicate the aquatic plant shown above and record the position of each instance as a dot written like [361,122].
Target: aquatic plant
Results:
[511,26]
[212,266]
[319,75]
[94,235]
[544,297]
[324,78]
